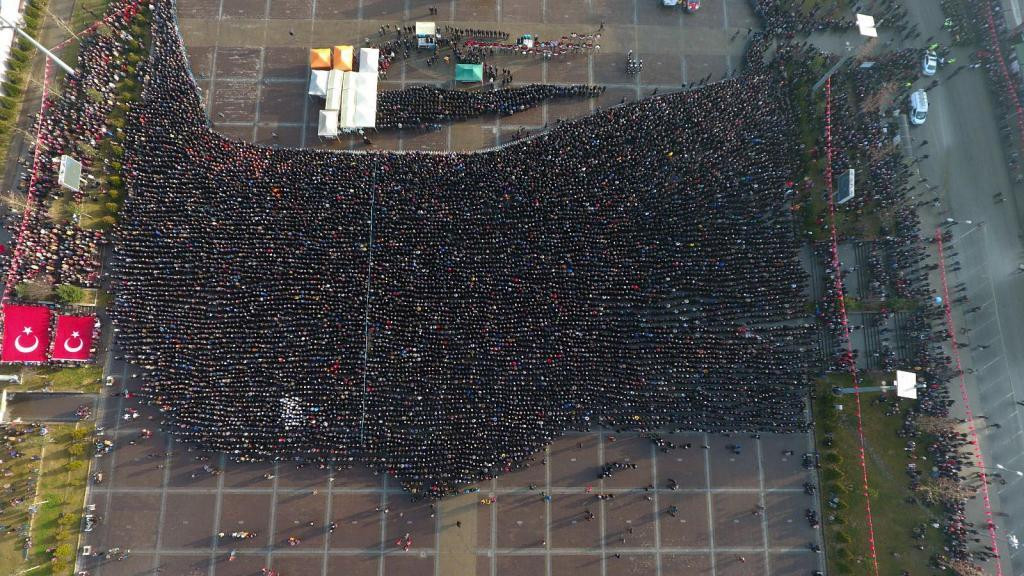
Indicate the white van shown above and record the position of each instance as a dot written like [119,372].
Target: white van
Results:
[918,107]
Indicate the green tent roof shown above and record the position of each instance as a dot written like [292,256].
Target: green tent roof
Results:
[469,72]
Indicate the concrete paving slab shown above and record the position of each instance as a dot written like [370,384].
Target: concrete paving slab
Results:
[188,521]
[291,9]
[245,512]
[736,526]
[689,527]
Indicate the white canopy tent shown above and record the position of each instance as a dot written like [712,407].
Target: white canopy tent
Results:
[348,103]
[328,124]
[334,90]
[318,83]
[369,58]
[364,89]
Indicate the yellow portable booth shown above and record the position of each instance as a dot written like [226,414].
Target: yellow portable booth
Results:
[343,58]
[320,58]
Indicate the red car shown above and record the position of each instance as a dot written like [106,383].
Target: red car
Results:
[692,5]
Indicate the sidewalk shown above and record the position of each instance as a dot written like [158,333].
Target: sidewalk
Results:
[1013,11]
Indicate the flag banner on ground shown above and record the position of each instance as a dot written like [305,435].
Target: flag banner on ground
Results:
[73,338]
[26,334]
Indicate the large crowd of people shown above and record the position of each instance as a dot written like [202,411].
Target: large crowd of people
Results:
[444,316]
[426,105]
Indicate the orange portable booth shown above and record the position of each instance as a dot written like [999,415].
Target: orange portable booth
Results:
[320,58]
[343,56]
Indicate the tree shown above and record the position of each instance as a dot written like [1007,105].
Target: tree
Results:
[69,294]
[945,490]
[76,450]
[934,424]
[64,551]
[965,568]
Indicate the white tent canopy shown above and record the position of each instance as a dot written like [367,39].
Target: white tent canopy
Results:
[365,97]
[359,103]
[348,102]
[334,89]
[328,123]
[368,59]
[318,83]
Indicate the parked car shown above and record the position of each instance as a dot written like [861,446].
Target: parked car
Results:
[930,63]
[918,107]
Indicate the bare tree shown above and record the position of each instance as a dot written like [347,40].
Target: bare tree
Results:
[935,424]
[962,567]
[945,490]
[880,99]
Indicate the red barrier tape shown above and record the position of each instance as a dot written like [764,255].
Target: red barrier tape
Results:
[951,328]
[845,324]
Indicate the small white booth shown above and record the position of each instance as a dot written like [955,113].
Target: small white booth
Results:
[369,59]
[327,127]
[318,83]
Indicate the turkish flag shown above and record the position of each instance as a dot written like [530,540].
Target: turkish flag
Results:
[26,334]
[73,338]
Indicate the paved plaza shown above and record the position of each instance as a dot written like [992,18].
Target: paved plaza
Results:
[157,500]
[735,514]
[250,59]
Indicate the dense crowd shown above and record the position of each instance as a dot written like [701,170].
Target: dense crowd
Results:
[423,105]
[444,316]
[51,247]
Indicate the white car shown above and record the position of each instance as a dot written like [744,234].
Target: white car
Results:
[930,63]
[918,107]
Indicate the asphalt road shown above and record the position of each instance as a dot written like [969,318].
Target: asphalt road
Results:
[46,406]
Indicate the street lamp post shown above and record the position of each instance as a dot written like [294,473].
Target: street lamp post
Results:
[43,49]
[999,467]
[1004,468]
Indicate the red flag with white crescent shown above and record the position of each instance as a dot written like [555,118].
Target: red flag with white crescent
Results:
[26,333]
[73,338]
